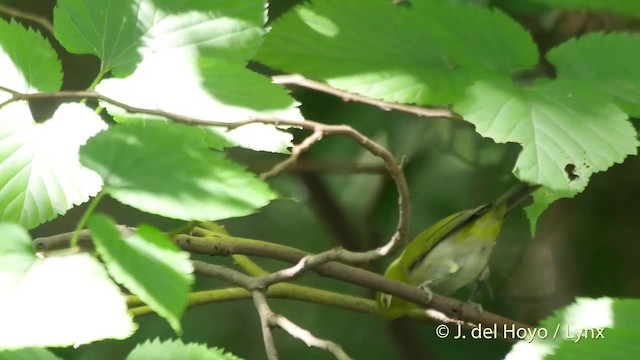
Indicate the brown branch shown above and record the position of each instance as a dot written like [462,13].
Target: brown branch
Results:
[307,337]
[295,154]
[319,130]
[299,80]
[19,14]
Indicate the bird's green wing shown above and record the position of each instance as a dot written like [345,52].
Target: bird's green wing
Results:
[429,238]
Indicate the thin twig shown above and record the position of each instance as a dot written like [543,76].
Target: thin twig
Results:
[295,154]
[267,317]
[265,312]
[299,80]
[19,14]
[307,337]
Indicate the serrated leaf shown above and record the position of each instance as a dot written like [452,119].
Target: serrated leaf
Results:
[588,59]
[40,175]
[426,55]
[176,349]
[147,263]
[567,131]
[82,304]
[542,199]
[40,172]
[122,32]
[28,62]
[167,169]
[207,89]
[626,7]
[586,329]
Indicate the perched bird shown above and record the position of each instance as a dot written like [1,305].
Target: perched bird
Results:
[452,253]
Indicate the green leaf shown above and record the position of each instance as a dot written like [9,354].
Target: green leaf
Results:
[55,301]
[40,173]
[28,354]
[147,263]
[542,198]
[588,59]
[587,329]
[626,7]
[567,131]
[123,32]
[166,169]
[176,349]
[426,55]
[480,38]
[207,89]
[144,38]
[29,64]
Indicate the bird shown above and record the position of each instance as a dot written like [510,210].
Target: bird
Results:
[452,253]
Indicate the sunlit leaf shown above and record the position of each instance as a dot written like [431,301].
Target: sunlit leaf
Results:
[147,263]
[40,172]
[122,32]
[426,55]
[167,169]
[567,132]
[55,301]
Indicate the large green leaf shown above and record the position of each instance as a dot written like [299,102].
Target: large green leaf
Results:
[122,32]
[40,173]
[589,59]
[55,301]
[426,55]
[176,349]
[147,263]
[184,57]
[28,62]
[567,131]
[166,169]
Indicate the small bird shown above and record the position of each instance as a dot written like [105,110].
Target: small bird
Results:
[452,253]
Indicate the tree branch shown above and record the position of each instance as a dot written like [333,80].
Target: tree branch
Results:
[299,80]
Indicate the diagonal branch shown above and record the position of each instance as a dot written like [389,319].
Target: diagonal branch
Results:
[295,154]
[299,80]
